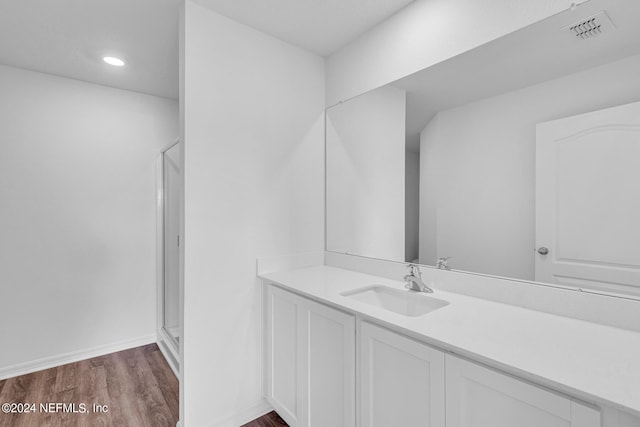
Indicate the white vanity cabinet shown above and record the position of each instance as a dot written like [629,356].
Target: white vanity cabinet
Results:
[310,363]
[401,381]
[328,368]
[478,397]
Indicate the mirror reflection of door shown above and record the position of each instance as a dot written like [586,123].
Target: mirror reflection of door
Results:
[467,133]
[588,200]
[171,211]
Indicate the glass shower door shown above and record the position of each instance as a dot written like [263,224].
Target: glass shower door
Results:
[172,188]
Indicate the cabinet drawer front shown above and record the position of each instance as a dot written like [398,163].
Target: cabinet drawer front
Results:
[401,380]
[480,397]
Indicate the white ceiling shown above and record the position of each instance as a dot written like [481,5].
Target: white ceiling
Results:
[69,37]
[529,56]
[320,26]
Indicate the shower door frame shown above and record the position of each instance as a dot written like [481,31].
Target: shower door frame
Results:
[170,347]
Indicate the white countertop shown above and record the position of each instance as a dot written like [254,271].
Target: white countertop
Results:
[590,361]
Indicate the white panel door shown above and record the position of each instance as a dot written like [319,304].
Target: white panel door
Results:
[588,200]
[401,380]
[330,367]
[480,397]
[285,343]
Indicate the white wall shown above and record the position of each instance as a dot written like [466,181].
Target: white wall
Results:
[478,167]
[412,206]
[429,179]
[425,33]
[366,175]
[78,191]
[254,186]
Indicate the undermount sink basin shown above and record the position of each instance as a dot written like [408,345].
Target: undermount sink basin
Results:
[407,303]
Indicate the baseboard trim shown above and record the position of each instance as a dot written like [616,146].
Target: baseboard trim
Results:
[246,415]
[168,352]
[74,356]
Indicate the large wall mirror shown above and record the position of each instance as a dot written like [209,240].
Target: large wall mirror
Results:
[520,158]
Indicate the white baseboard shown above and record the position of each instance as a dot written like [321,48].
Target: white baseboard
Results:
[246,415]
[167,350]
[175,331]
[74,356]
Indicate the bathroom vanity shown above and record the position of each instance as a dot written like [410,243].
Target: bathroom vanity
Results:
[343,348]
[521,165]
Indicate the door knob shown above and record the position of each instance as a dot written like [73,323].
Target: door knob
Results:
[543,251]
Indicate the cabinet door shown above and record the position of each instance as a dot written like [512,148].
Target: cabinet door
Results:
[285,336]
[481,397]
[330,361]
[401,380]
[310,367]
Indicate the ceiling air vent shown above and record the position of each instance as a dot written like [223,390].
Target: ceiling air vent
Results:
[590,27]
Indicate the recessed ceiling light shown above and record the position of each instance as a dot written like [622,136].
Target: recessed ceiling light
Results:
[112,60]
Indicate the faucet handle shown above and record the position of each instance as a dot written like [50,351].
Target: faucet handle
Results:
[443,262]
[414,269]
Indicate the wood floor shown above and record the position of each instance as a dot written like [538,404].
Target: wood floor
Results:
[268,420]
[137,385]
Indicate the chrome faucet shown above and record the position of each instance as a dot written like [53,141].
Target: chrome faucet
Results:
[414,280]
[443,263]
